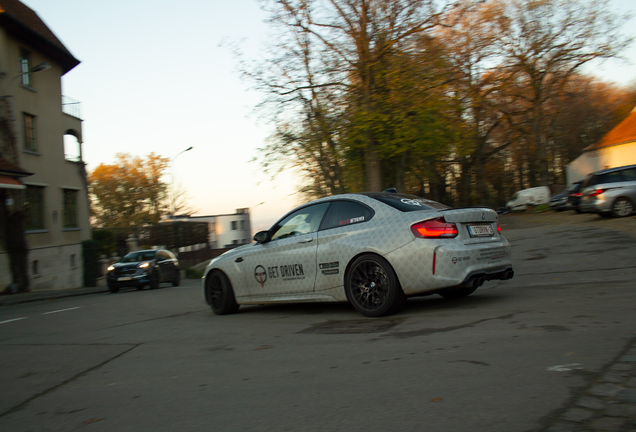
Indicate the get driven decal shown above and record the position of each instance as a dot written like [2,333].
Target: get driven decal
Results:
[286,272]
[260,275]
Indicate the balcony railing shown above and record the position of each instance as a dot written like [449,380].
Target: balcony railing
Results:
[71,107]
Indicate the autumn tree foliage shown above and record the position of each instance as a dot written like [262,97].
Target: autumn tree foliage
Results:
[456,100]
[328,85]
[129,192]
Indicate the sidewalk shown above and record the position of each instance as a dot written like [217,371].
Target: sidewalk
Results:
[13,299]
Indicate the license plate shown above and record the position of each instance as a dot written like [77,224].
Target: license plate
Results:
[480,230]
[124,278]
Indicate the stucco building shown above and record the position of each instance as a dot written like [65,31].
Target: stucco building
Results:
[37,172]
[617,148]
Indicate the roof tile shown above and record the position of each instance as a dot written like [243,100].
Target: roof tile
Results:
[24,14]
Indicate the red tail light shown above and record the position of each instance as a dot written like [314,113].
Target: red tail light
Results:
[597,192]
[498,228]
[578,194]
[435,228]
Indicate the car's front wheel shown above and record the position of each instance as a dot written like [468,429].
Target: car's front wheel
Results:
[219,293]
[372,286]
[177,278]
[113,289]
[622,207]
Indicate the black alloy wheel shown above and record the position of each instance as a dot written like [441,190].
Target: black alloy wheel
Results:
[219,293]
[372,287]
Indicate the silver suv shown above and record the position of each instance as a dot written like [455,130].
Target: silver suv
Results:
[610,191]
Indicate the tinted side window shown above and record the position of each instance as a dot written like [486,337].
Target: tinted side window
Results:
[343,213]
[590,180]
[629,174]
[612,177]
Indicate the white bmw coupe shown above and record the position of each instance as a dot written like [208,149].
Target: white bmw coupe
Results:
[371,249]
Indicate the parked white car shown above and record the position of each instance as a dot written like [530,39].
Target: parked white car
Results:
[371,249]
[532,196]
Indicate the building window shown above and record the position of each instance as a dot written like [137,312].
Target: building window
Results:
[34,208]
[69,208]
[30,142]
[35,271]
[24,67]
[242,224]
[73,264]
[233,225]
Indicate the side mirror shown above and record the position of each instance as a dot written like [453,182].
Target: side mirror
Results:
[262,237]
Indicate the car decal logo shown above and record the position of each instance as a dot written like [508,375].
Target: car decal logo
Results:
[411,202]
[483,216]
[260,275]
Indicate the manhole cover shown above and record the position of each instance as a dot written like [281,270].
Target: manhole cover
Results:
[353,326]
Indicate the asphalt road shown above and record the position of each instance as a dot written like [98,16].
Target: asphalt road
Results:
[161,361]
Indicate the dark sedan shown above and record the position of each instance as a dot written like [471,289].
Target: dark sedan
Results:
[141,268]
[574,196]
[568,199]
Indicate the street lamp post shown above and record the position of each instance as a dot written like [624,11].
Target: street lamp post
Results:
[172,191]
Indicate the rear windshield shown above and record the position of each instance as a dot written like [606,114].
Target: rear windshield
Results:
[406,203]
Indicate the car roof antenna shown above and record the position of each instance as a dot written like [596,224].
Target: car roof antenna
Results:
[391,190]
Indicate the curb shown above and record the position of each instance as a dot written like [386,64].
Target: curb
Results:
[13,299]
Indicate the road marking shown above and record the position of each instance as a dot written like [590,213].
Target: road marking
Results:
[565,368]
[11,320]
[61,310]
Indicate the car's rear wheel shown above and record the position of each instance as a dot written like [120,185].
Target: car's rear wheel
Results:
[219,293]
[372,286]
[154,279]
[455,293]
[622,207]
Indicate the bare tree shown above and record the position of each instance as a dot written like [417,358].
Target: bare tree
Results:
[328,66]
[544,42]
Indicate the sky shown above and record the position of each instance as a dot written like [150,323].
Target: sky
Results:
[158,76]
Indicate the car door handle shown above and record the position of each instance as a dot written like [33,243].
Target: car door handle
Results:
[309,240]
[239,259]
